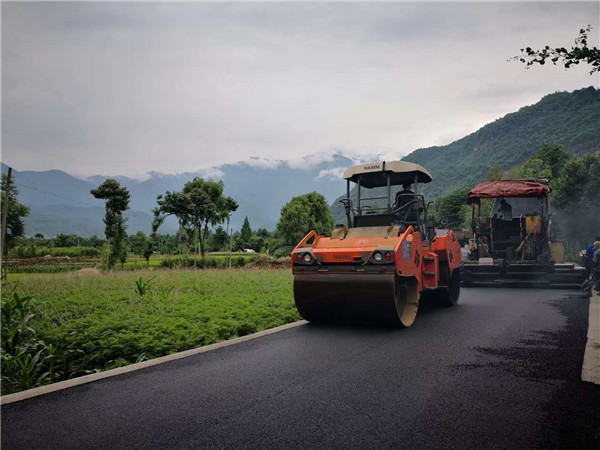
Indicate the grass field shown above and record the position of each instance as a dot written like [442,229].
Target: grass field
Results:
[104,320]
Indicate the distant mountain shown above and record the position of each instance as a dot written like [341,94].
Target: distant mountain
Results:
[570,119]
[60,202]
[85,221]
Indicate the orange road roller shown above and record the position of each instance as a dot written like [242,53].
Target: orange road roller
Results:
[378,265]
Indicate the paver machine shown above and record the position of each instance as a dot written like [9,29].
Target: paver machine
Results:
[376,266]
[513,246]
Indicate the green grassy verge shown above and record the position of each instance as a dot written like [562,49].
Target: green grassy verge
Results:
[102,321]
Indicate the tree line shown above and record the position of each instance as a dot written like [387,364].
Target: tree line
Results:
[202,211]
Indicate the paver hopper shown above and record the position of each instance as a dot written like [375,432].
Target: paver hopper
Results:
[513,246]
[376,266]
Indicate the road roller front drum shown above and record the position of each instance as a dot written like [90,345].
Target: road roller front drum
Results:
[384,298]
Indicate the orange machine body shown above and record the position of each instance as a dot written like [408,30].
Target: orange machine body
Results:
[405,255]
[379,265]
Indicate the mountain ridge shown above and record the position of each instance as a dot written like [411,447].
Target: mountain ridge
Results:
[567,118]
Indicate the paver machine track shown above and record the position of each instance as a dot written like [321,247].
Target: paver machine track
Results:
[377,266]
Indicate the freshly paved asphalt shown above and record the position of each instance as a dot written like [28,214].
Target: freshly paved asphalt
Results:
[500,370]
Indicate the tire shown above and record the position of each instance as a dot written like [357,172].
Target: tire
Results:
[406,301]
[449,296]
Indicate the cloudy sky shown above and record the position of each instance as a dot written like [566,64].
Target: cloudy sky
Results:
[127,88]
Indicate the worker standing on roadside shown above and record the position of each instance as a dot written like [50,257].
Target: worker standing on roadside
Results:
[596,267]
[589,259]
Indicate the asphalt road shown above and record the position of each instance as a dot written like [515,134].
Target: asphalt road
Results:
[500,370]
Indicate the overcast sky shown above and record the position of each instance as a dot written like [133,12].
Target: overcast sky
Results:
[127,88]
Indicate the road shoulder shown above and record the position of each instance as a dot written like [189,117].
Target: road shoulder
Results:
[590,371]
[41,390]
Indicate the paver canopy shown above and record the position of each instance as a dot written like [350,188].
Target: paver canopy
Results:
[509,188]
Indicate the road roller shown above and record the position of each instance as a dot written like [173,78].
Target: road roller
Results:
[378,265]
[514,245]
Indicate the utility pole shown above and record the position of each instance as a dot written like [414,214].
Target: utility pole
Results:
[5,222]
[230,242]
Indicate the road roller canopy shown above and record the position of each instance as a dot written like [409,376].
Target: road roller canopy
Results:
[375,174]
[508,188]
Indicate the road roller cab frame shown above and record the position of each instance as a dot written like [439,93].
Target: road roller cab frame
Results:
[513,246]
[375,267]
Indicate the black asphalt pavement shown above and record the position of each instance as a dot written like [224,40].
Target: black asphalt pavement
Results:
[500,370]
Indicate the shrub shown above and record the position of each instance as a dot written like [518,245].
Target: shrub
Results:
[246,328]
[24,357]
[210,262]
[45,268]
[142,286]
[31,251]
[283,251]
[74,251]
[174,262]
[226,328]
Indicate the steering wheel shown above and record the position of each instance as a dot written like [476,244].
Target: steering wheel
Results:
[405,206]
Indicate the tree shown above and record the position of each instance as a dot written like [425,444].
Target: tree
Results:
[535,168]
[554,157]
[137,243]
[230,206]
[141,245]
[219,239]
[259,239]
[94,241]
[16,212]
[547,162]
[246,232]
[65,240]
[578,180]
[512,174]
[495,173]
[199,205]
[207,206]
[452,208]
[580,52]
[302,214]
[117,201]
